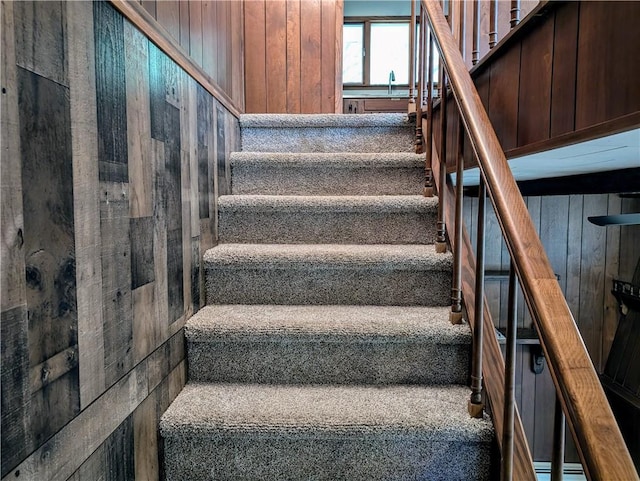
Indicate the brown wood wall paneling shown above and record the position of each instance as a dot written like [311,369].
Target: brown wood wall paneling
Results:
[586,258]
[292,56]
[210,32]
[573,70]
[102,243]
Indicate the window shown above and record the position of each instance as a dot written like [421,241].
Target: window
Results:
[372,49]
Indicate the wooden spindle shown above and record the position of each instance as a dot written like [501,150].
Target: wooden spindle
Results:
[506,471]
[462,29]
[455,316]
[557,455]
[515,13]
[422,51]
[475,403]
[428,181]
[412,58]
[441,241]
[493,23]
[475,53]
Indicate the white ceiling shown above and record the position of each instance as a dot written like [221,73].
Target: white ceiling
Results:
[614,152]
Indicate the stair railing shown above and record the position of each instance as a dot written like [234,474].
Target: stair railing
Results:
[580,396]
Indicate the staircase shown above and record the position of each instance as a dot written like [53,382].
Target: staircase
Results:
[325,351]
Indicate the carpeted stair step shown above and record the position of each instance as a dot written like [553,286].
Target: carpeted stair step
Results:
[280,219]
[327,274]
[327,345]
[358,433]
[278,173]
[326,133]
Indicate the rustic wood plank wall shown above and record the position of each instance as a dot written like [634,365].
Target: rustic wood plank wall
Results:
[111,161]
[210,31]
[586,259]
[293,52]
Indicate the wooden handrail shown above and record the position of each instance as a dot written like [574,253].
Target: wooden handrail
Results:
[136,14]
[600,444]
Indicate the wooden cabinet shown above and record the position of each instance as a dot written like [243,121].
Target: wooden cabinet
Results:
[373,105]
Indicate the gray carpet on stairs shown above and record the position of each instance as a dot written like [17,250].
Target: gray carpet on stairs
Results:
[246,432]
[327,345]
[325,133]
[327,274]
[283,173]
[325,351]
[327,219]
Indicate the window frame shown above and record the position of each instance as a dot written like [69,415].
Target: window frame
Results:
[366,42]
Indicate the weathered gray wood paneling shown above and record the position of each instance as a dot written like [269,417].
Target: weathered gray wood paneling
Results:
[109,164]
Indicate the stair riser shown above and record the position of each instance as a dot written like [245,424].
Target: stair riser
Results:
[327,139]
[317,285]
[341,458]
[317,227]
[291,361]
[326,181]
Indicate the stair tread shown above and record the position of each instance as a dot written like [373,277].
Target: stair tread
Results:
[326,322]
[390,256]
[323,120]
[425,412]
[329,159]
[347,203]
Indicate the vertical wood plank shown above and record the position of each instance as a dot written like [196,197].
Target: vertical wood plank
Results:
[255,59]
[168,15]
[221,153]
[629,245]
[49,244]
[136,53]
[195,31]
[185,174]
[14,354]
[503,97]
[592,278]
[84,138]
[12,279]
[145,439]
[612,267]
[608,88]
[339,20]
[574,253]
[40,37]
[116,280]
[173,196]
[276,56]
[224,56]
[563,87]
[161,292]
[534,108]
[293,57]
[310,56]
[110,93]
[328,56]
[185,25]
[237,53]
[210,38]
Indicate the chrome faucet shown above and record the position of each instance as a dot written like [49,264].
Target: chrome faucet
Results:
[392,78]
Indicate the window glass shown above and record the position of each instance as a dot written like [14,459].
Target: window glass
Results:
[389,52]
[352,65]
